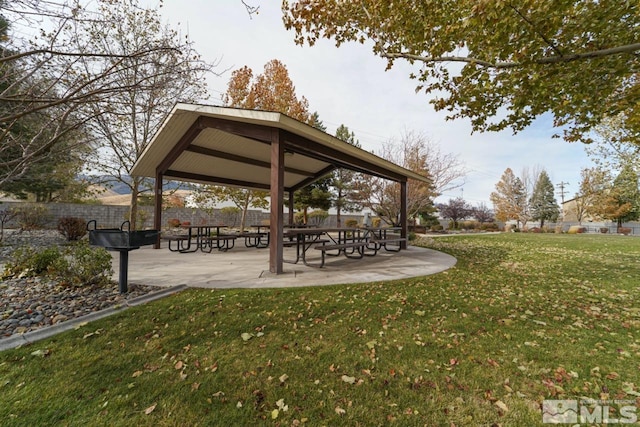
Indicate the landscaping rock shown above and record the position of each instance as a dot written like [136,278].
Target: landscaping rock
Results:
[29,303]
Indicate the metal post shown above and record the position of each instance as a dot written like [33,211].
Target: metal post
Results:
[124,271]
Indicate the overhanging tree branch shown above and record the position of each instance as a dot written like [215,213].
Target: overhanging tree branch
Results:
[631,48]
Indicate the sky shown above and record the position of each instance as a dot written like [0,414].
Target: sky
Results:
[349,85]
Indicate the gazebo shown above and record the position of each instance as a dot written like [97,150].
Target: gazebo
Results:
[256,150]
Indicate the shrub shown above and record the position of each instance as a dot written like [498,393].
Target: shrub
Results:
[173,222]
[437,227]
[32,217]
[72,228]
[318,217]
[186,223]
[411,236]
[350,223]
[298,218]
[27,261]
[83,265]
[6,215]
[558,229]
[604,230]
[375,222]
[624,230]
[489,226]
[78,265]
[576,229]
[469,225]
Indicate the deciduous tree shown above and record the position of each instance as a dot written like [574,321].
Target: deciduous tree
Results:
[455,210]
[126,122]
[52,66]
[500,64]
[272,90]
[594,187]
[383,196]
[509,200]
[626,195]
[482,213]
[207,196]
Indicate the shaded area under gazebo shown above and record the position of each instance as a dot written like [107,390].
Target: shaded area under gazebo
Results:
[256,150]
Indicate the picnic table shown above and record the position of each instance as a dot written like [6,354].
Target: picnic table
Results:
[379,237]
[351,242]
[205,239]
[255,239]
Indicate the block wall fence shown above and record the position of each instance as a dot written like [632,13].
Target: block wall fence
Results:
[110,216]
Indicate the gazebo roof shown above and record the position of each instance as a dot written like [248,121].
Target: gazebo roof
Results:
[230,146]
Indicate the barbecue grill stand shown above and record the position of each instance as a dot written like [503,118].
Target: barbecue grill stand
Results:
[121,240]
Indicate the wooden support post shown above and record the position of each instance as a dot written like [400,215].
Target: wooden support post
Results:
[403,213]
[157,214]
[277,203]
[291,207]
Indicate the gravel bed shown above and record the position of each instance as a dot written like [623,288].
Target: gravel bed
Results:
[30,303]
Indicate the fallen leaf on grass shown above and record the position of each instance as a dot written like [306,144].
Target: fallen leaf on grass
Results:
[246,336]
[136,374]
[283,378]
[340,411]
[281,406]
[348,379]
[179,364]
[501,405]
[629,388]
[150,409]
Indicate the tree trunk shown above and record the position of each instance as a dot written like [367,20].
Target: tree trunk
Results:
[243,217]
[338,219]
[133,212]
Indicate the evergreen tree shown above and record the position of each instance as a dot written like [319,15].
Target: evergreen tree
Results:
[343,180]
[318,194]
[543,204]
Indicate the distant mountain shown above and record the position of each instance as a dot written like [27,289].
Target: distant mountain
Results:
[120,187]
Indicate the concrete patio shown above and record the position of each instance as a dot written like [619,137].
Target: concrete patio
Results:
[243,267]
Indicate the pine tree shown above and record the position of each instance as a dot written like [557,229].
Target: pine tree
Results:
[543,203]
[343,181]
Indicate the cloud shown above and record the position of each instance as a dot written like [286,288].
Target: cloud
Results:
[349,85]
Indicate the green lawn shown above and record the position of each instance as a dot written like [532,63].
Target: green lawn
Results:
[521,318]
